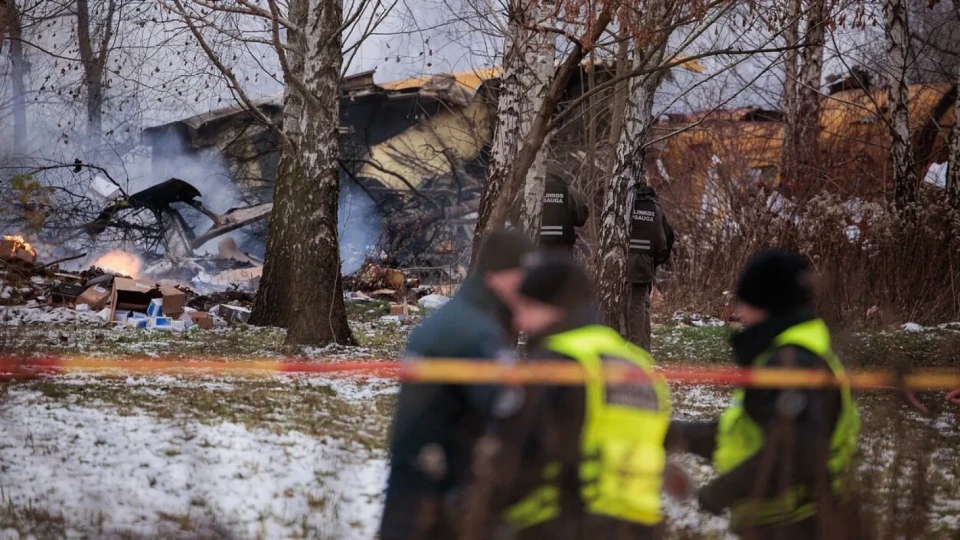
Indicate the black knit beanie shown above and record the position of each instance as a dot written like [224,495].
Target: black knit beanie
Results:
[776,281]
[504,249]
[556,279]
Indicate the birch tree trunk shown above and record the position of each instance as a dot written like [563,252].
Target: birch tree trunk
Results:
[788,152]
[808,97]
[305,274]
[953,161]
[506,137]
[901,145]
[541,126]
[628,170]
[539,61]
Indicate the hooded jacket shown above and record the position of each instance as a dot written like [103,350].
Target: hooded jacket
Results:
[811,414]
[443,421]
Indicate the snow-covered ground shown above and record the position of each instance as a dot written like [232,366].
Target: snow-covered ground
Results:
[107,473]
[121,455]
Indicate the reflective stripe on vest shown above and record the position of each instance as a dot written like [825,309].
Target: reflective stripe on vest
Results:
[621,472]
[739,437]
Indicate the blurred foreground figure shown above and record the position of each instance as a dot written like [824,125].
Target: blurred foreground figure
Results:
[583,461]
[437,426]
[784,456]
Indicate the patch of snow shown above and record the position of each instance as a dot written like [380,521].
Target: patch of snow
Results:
[390,319]
[433,301]
[19,316]
[696,319]
[131,471]
[912,327]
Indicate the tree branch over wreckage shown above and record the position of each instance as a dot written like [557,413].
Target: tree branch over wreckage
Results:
[301,287]
[645,33]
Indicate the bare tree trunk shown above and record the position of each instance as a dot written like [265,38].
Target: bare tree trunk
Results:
[611,262]
[319,314]
[953,162]
[539,61]
[788,152]
[808,96]
[541,126]
[94,61]
[273,303]
[506,138]
[18,72]
[901,145]
[306,272]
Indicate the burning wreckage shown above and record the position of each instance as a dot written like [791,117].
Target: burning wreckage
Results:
[44,293]
[414,149]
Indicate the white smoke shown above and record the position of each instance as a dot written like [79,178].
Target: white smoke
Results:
[358,225]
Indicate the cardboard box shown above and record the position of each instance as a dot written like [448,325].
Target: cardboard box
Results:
[140,324]
[201,319]
[13,250]
[174,301]
[398,310]
[130,294]
[231,314]
[155,309]
[160,323]
[119,315]
[138,295]
[96,297]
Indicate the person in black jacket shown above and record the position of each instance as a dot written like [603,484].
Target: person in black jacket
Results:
[777,444]
[651,242]
[564,209]
[436,427]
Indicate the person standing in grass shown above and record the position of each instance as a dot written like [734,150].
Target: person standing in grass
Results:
[651,242]
[784,456]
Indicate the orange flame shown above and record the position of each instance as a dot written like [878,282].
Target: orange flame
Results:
[19,243]
[120,262]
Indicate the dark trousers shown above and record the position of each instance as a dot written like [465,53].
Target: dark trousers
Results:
[638,314]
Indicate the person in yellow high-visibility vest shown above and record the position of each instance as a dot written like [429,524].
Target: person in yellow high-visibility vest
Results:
[784,456]
[584,461]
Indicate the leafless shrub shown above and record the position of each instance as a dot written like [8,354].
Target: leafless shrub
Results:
[873,263]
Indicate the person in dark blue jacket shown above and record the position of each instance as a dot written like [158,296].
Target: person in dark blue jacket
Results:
[436,426]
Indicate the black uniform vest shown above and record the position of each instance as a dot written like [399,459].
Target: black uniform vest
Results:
[556,226]
[647,236]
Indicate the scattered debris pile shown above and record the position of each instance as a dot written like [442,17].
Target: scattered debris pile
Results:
[405,293]
[119,295]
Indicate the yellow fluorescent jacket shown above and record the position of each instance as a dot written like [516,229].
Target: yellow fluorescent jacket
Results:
[739,437]
[621,471]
